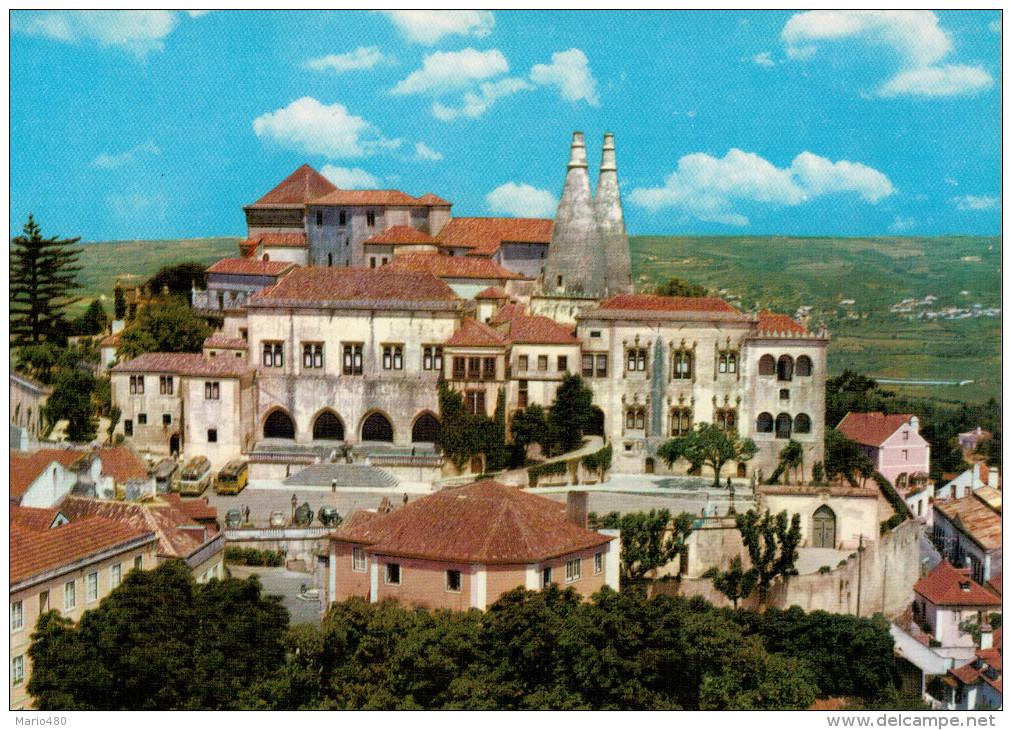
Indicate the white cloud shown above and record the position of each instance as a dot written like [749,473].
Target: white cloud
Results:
[763,59]
[445,71]
[977,202]
[995,26]
[476,104]
[522,201]
[424,152]
[428,26]
[198,13]
[937,81]
[138,31]
[309,127]
[913,35]
[570,72]
[902,224]
[364,57]
[353,178]
[708,188]
[111,162]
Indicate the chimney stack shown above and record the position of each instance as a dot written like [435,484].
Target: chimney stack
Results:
[576,508]
[611,222]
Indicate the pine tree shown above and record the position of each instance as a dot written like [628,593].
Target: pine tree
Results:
[43,274]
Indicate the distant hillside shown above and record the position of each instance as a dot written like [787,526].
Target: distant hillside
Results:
[857,287]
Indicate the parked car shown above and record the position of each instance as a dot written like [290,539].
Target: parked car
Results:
[232,477]
[304,515]
[329,516]
[233,518]
[278,519]
[195,476]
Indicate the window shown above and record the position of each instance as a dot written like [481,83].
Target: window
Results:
[602,366]
[459,368]
[598,563]
[573,570]
[69,595]
[785,394]
[17,616]
[488,368]
[546,577]
[166,419]
[453,581]
[212,390]
[312,355]
[764,423]
[767,365]
[473,368]
[330,258]
[783,426]
[542,363]
[352,360]
[393,357]
[319,217]
[635,417]
[358,559]
[115,575]
[522,363]
[522,394]
[681,365]
[562,364]
[803,367]
[727,362]
[636,359]
[681,421]
[165,384]
[342,218]
[142,419]
[91,587]
[906,435]
[18,670]
[383,261]
[372,262]
[274,354]
[726,419]
[785,368]
[137,384]
[432,357]
[393,574]
[370,218]
[139,562]
[43,602]
[587,369]
[595,333]
[474,401]
[906,455]
[128,427]
[212,435]
[802,423]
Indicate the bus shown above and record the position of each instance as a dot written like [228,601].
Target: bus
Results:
[232,477]
[195,477]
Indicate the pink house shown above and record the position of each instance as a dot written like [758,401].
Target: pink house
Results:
[946,597]
[893,443]
[462,548]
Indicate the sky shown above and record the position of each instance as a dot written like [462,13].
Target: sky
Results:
[163,124]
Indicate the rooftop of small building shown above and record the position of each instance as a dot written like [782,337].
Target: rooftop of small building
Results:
[484,236]
[473,333]
[979,520]
[322,283]
[872,429]
[300,187]
[250,267]
[452,267]
[401,235]
[184,363]
[26,468]
[528,329]
[950,586]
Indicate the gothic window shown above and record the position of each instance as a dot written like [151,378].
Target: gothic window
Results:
[636,359]
[393,357]
[352,359]
[274,354]
[767,365]
[328,426]
[727,362]
[165,384]
[802,423]
[681,421]
[377,427]
[681,365]
[783,426]
[432,357]
[137,384]
[764,423]
[635,417]
[278,425]
[803,367]
[726,419]
[785,368]
[312,355]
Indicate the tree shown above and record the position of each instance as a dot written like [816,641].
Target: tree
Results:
[495,447]
[649,539]
[570,413]
[92,322]
[708,444]
[772,545]
[43,273]
[791,458]
[735,583]
[170,325]
[459,434]
[180,279]
[990,449]
[71,399]
[845,457]
[119,302]
[529,426]
[39,361]
[675,287]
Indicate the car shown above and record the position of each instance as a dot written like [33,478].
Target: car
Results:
[233,518]
[329,516]
[278,519]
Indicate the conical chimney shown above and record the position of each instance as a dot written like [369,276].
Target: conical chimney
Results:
[575,261]
[611,222]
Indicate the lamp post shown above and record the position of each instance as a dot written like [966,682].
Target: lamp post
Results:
[295,501]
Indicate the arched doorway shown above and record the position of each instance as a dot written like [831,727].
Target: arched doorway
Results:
[328,427]
[174,444]
[377,427]
[741,470]
[279,425]
[425,429]
[824,528]
[595,426]
[649,467]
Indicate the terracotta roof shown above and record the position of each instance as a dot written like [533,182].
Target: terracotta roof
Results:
[278,240]
[430,199]
[485,235]
[195,509]
[493,292]
[366,197]
[401,234]
[650,302]
[979,520]
[26,468]
[475,334]
[120,463]
[33,553]
[485,522]
[536,329]
[184,363]
[995,584]
[218,339]
[452,267]
[507,313]
[300,187]
[250,267]
[110,341]
[779,325]
[33,519]
[976,671]
[872,429]
[341,284]
[161,518]
[949,586]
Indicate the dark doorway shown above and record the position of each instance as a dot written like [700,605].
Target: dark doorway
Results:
[783,426]
[426,429]
[377,428]
[649,467]
[741,469]
[328,427]
[174,444]
[279,425]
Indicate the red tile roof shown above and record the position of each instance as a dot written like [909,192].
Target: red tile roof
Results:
[161,518]
[185,363]
[995,584]
[250,267]
[452,267]
[979,520]
[32,553]
[779,325]
[300,187]
[218,339]
[120,463]
[33,519]
[493,292]
[485,522]
[534,329]
[280,240]
[976,671]
[475,334]
[872,429]
[342,284]
[507,312]
[485,235]
[195,509]
[401,234]
[434,200]
[367,197]
[26,468]
[650,302]
[949,586]
[110,341]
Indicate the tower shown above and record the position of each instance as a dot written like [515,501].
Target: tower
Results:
[611,223]
[575,262]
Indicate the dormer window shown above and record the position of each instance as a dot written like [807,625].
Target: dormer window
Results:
[370,218]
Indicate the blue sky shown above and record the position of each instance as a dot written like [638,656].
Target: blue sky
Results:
[163,124]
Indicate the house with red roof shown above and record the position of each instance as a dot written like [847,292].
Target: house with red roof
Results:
[946,597]
[397,241]
[977,685]
[894,444]
[967,532]
[463,547]
[43,478]
[231,282]
[467,276]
